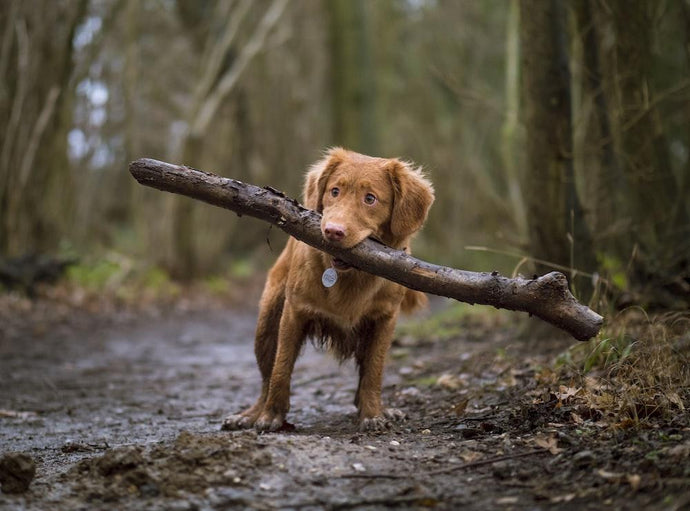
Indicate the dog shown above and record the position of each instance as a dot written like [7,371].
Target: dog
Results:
[359,197]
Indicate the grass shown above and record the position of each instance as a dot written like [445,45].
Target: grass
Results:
[453,321]
[637,369]
[117,279]
[121,277]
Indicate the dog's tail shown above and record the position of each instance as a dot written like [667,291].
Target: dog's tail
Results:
[413,300]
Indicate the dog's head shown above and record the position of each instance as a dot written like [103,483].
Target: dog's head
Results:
[360,196]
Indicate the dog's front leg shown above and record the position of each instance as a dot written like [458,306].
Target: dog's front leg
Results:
[290,338]
[371,359]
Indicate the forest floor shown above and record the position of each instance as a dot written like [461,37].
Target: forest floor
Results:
[122,410]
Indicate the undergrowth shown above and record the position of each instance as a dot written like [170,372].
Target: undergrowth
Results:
[114,281]
[635,372]
[458,319]
[637,369]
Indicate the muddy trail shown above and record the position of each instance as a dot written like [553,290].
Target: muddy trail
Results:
[125,413]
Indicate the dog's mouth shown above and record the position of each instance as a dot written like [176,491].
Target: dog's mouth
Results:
[339,264]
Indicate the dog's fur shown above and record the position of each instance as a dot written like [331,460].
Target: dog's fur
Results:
[355,317]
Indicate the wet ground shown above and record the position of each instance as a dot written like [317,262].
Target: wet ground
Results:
[124,412]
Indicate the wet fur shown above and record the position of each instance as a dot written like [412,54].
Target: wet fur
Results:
[355,317]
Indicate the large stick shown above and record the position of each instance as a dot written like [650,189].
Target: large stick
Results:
[546,297]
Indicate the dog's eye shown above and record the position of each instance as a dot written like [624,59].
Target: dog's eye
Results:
[335,192]
[370,199]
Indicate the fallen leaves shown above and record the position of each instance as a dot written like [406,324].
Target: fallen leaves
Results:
[460,407]
[633,480]
[550,443]
[469,456]
[565,393]
[450,381]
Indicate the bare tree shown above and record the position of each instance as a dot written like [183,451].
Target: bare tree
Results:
[216,82]
[35,68]
[557,232]
[509,129]
[593,145]
[651,199]
[352,70]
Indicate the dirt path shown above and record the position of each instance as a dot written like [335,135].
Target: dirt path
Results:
[127,415]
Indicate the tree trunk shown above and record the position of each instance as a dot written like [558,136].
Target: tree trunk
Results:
[594,152]
[353,84]
[639,138]
[216,83]
[35,68]
[510,124]
[556,228]
[546,297]
[656,242]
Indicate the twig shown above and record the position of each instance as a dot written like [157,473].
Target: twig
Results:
[486,461]
[375,475]
[444,470]
[227,82]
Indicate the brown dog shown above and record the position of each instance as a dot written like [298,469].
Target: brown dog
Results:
[358,196]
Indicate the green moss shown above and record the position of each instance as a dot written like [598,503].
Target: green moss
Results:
[242,269]
[426,381]
[93,276]
[446,324]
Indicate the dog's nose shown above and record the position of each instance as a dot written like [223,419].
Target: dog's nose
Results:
[334,232]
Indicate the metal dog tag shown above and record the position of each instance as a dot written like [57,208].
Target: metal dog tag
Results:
[329,277]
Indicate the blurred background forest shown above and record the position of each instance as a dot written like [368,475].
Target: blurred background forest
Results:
[556,132]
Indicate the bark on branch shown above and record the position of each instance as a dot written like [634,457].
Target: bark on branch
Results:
[546,297]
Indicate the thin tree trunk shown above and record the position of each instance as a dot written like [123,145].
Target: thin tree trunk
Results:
[213,88]
[353,84]
[556,228]
[510,125]
[640,143]
[35,69]
[595,155]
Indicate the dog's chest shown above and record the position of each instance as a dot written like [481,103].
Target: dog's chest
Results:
[348,301]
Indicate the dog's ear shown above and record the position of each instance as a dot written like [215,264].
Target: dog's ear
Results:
[413,195]
[317,177]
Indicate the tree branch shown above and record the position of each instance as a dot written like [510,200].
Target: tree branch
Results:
[546,297]
[227,82]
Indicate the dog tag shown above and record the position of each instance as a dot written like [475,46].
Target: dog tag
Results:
[329,277]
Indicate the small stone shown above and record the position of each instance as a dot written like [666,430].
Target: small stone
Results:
[17,470]
[405,371]
[370,447]
[394,443]
[358,467]
[231,473]
[426,432]
[449,381]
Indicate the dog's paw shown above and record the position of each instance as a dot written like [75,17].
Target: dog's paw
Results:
[382,422]
[235,422]
[394,414]
[378,423]
[269,421]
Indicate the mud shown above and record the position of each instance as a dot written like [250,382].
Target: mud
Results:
[125,412]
